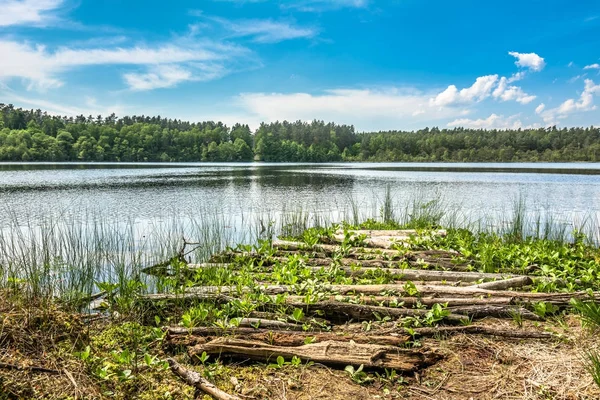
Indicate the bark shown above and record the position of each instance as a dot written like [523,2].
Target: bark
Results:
[387,301]
[511,283]
[496,311]
[220,293]
[329,352]
[481,330]
[193,378]
[391,233]
[282,338]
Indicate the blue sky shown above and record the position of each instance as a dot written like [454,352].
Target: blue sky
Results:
[377,64]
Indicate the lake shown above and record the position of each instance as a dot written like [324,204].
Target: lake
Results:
[108,217]
[159,192]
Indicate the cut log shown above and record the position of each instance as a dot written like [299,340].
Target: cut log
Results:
[268,324]
[379,242]
[392,233]
[481,330]
[401,274]
[342,312]
[511,283]
[193,378]
[395,301]
[288,338]
[334,353]
[496,311]
[220,293]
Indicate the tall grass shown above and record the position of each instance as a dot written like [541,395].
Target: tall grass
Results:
[65,256]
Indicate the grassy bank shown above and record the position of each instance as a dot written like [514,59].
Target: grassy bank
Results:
[116,346]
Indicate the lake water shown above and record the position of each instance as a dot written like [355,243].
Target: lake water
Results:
[166,195]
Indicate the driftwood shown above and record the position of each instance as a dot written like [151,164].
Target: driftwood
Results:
[193,378]
[511,283]
[328,352]
[481,330]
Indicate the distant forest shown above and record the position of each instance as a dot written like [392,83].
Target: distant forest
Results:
[33,135]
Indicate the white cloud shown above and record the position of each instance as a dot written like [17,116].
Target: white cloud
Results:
[265,31]
[494,121]
[27,12]
[592,66]
[369,109]
[528,60]
[571,106]
[507,93]
[167,63]
[479,91]
[324,5]
[540,108]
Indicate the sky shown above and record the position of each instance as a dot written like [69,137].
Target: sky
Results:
[375,64]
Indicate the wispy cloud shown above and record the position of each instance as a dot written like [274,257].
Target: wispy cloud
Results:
[28,12]
[592,66]
[572,106]
[308,5]
[265,30]
[168,64]
[494,121]
[377,108]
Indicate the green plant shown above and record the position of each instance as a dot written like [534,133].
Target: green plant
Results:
[592,365]
[358,375]
[589,311]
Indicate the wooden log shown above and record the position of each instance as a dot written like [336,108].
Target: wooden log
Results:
[334,353]
[393,301]
[511,283]
[496,311]
[268,324]
[403,274]
[481,330]
[220,293]
[193,378]
[393,233]
[287,338]
[380,242]
[342,312]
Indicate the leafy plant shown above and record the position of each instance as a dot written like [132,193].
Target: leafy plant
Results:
[358,375]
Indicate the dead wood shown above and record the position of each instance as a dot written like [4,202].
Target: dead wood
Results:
[280,338]
[511,283]
[481,330]
[4,365]
[329,352]
[193,378]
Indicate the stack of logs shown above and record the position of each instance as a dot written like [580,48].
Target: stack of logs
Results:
[437,277]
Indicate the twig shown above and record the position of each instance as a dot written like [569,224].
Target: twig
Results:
[29,368]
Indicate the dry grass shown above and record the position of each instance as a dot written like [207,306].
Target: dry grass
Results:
[475,367]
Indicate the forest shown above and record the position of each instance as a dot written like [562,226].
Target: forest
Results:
[34,135]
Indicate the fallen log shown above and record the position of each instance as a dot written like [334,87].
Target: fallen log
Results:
[267,324]
[334,353]
[342,312]
[511,283]
[168,270]
[193,378]
[404,274]
[392,233]
[379,242]
[219,293]
[481,330]
[395,301]
[285,338]
[495,311]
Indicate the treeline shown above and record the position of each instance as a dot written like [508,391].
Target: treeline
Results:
[32,135]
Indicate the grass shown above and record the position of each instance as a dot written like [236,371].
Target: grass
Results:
[58,263]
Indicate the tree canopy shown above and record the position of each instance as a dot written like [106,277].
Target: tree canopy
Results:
[33,135]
